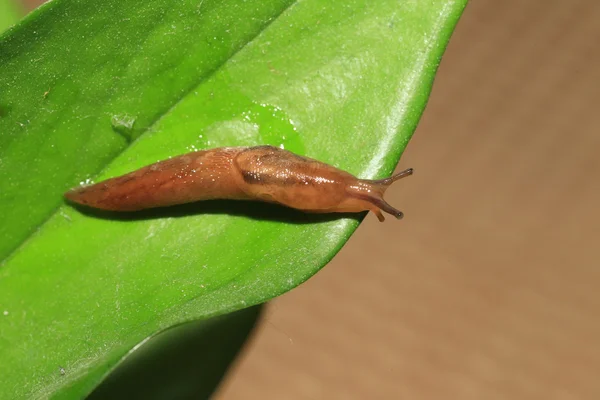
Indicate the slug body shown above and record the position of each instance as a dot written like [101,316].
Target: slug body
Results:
[263,173]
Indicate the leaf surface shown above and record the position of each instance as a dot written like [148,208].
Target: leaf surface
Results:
[90,90]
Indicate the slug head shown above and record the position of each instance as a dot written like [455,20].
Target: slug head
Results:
[370,193]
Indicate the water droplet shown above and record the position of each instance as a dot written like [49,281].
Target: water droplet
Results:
[226,116]
[123,125]
[253,124]
[275,127]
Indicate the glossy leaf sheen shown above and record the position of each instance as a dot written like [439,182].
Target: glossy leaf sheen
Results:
[95,89]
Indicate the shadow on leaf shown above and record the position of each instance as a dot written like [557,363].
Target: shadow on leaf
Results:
[183,362]
[249,209]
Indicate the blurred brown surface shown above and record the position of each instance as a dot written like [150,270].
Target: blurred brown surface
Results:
[489,288]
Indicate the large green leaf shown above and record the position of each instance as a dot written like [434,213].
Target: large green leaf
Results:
[93,89]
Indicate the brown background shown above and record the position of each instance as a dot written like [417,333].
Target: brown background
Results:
[488,289]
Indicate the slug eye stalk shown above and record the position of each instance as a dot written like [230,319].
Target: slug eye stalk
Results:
[376,189]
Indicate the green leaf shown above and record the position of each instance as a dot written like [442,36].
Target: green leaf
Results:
[90,90]
[169,367]
[9,14]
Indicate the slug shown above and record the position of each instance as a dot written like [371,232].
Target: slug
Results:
[263,173]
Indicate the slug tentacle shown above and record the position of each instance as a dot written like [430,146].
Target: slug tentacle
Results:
[263,173]
[388,181]
[371,191]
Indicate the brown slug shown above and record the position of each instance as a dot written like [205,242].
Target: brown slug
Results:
[264,173]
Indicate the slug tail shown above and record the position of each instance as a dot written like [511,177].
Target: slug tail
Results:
[84,195]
